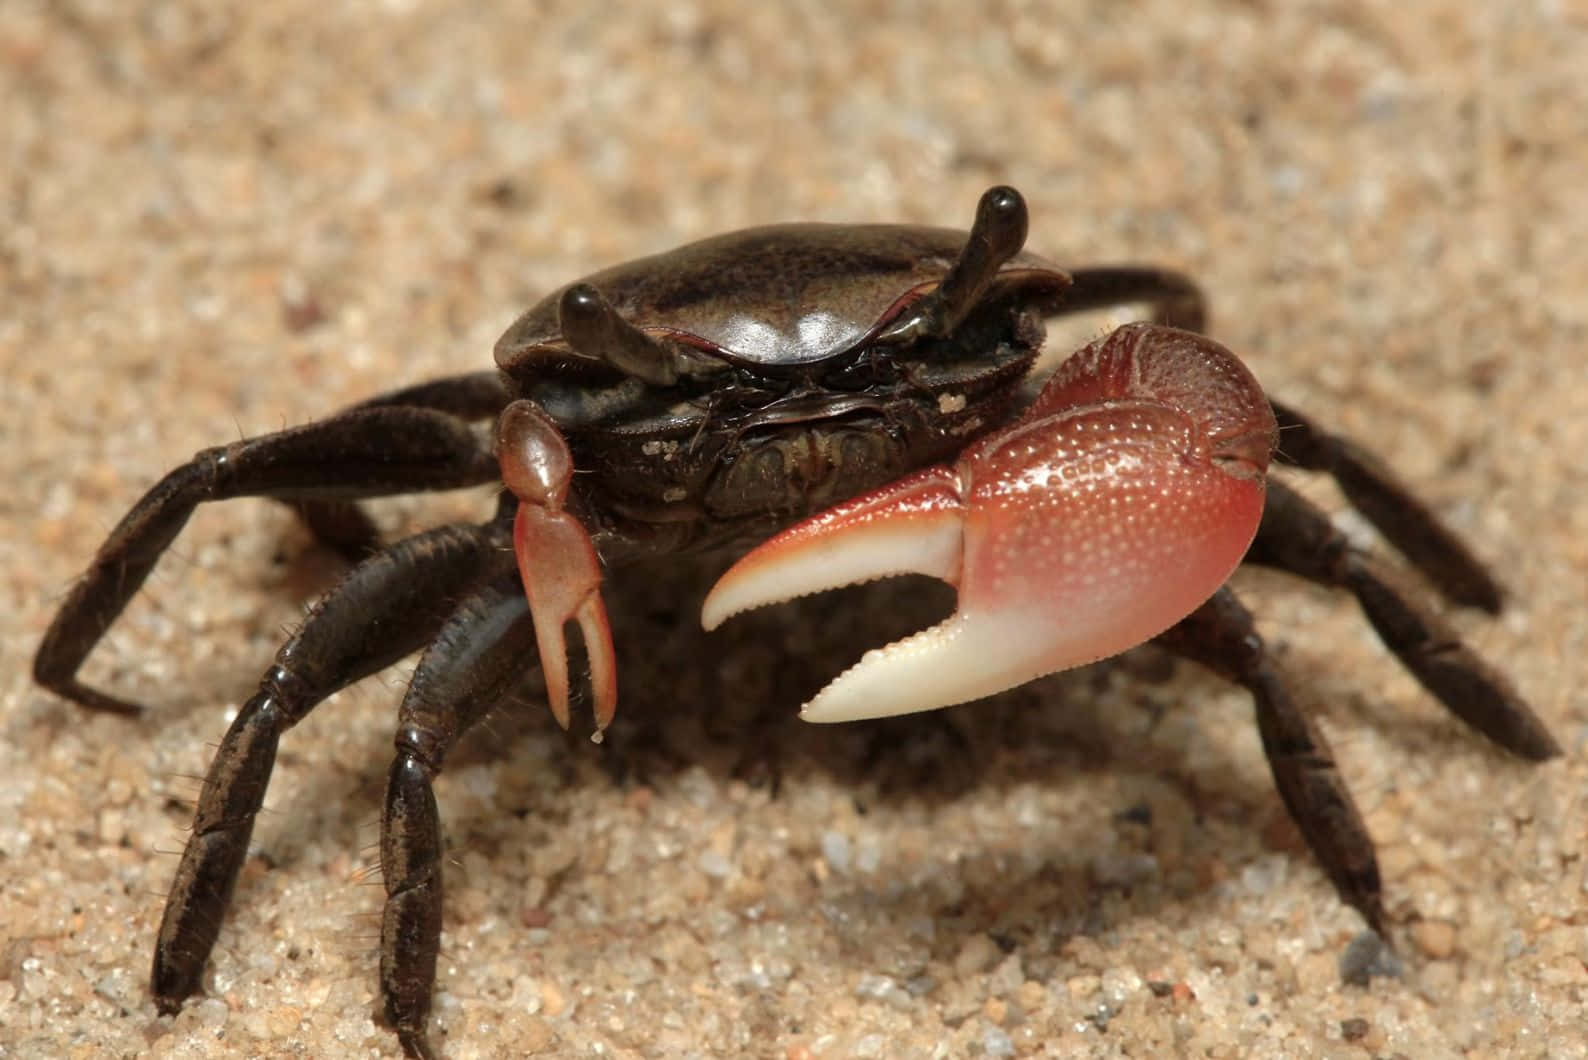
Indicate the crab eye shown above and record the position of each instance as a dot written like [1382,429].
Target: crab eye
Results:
[594,328]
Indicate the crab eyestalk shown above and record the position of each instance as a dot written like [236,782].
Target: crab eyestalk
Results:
[556,558]
[1117,504]
[597,330]
[998,234]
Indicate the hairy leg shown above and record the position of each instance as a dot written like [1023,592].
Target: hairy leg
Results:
[1220,636]
[480,657]
[361,453]
[1389,504]
[385,608]
[342,525]
[1296,536]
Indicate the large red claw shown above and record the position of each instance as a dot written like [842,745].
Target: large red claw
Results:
[1117,504]
[556,559]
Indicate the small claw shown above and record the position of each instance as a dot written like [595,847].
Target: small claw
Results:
[556,559]
[1114,507]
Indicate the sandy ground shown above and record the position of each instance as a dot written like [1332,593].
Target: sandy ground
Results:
[219,219]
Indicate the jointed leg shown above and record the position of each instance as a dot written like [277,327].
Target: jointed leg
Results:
[385,608]
[1220,636]
[1296,537]
[341,524]
[1391,507]
[1175,299]
[473,396]
[362,453]
[1373,489]
[483,652]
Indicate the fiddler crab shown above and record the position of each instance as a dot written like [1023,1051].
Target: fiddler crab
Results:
[853,401]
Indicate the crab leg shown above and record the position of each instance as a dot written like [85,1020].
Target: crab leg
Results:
[556,558]
[1118,503]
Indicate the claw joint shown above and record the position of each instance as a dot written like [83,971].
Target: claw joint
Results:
[556,558]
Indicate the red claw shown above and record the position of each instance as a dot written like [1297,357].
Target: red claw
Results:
[1117,504]
[556,559]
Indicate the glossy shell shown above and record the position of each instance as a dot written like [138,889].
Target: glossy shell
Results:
[780,295]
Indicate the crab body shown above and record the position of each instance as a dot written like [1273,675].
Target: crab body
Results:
[766,393]
[852,401]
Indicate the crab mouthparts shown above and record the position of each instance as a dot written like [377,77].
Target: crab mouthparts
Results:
[1112,509]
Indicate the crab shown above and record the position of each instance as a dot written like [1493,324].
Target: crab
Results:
[844,402]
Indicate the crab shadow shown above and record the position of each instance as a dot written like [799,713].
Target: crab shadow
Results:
[726,703]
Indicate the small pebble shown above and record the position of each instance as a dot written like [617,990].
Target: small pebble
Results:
[1436,938]
[835,851]
[995,1041]
[1367,957]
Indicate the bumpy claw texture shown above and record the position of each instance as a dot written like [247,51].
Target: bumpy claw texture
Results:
[1118,503]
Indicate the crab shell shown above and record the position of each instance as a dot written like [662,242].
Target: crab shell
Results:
[775,390]
[775,297]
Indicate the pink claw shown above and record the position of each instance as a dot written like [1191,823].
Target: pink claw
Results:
[1118,503]
[556,559]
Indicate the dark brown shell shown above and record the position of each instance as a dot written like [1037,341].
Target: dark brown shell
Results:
[776,295]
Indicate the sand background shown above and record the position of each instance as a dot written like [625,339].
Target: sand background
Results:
[219,219]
